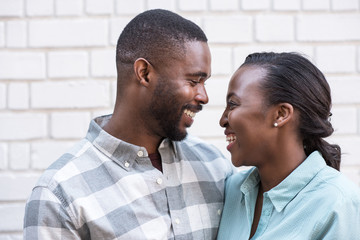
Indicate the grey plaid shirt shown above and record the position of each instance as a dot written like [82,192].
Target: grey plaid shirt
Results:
[105,188]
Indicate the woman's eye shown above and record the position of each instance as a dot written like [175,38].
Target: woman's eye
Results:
[231,104]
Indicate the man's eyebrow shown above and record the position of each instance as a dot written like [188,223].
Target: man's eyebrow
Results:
[230,95]
[198,74]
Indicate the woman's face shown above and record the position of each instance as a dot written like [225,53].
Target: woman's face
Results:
[247,123]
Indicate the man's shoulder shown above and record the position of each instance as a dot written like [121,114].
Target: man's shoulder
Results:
[197,144]
[64,167]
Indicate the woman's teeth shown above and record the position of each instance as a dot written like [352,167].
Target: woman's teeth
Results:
[231,138]
[189,113]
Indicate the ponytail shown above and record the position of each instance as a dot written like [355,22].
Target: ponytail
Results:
[330,152]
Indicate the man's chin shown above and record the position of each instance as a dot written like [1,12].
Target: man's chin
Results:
[178,136]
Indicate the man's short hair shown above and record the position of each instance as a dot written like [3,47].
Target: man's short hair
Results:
[157,35]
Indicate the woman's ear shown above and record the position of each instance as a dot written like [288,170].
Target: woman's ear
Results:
[142,69]
[284,113]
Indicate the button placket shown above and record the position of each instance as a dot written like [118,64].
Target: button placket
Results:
[127,164]
[140,153]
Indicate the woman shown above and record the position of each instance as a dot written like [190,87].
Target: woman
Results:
[277,114]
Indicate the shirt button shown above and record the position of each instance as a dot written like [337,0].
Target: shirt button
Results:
[127,164]
[140,153]
[219,212]
[177,221]
[159,181]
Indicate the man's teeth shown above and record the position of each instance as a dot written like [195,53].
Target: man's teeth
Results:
[231,138]
[189,113]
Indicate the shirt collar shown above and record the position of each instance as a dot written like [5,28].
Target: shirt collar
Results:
[284,192]
[251,182]
[121,152]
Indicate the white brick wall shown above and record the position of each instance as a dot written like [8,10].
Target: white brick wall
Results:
[22,65]
[57,71]
[68,64]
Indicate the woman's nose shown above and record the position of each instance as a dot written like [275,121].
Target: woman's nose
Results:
[223,120]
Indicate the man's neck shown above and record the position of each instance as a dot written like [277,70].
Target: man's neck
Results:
[132,132]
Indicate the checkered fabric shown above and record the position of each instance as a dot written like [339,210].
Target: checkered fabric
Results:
[105,188]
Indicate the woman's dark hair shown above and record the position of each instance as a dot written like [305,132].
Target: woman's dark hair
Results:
[293,79]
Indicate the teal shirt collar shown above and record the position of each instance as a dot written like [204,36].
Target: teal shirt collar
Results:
[287,190]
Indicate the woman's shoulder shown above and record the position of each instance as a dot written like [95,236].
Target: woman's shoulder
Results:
[238,178]
[332,182]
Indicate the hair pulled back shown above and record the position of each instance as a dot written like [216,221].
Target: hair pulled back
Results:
[293,79]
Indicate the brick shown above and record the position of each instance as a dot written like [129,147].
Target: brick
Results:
[11,8]
[16,187]
[358,131]
[43,154]
[251,5]
[221,60]
[207,119]
[11,236]
[311,5]
[18,96]
[68,64]
[225,5]
[101,112]
[2,34]
[16,34]
[216,88]
[2,96]
[103,63]
[241,53]
[117,25]
[123,7]
[349,148]
[99,7]
[22,126]
[330,28]
[287,5]
[231,29]
[164,4]
[3,156]
[68,33]
[19,156]
[79,94]
[69,124]
[69,7]
[32,65]
[190,5]
[14,215]
[345,5]
[336,59]
[358,59]
[39,7]
[342,89]
[344,120]
[274,28]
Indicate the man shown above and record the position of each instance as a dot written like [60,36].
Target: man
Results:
[137,175]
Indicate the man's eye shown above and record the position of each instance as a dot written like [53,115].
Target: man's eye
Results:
[194,82]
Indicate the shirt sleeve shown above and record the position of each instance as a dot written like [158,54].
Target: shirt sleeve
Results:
[47,218]
[342,222]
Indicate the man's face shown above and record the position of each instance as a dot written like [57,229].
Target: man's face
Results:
[180,91]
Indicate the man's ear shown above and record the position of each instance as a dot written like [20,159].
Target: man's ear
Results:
[284,113]
[142,68]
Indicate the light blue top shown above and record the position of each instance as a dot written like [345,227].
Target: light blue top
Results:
[314,202]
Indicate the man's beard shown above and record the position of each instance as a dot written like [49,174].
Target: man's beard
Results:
[165,110]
